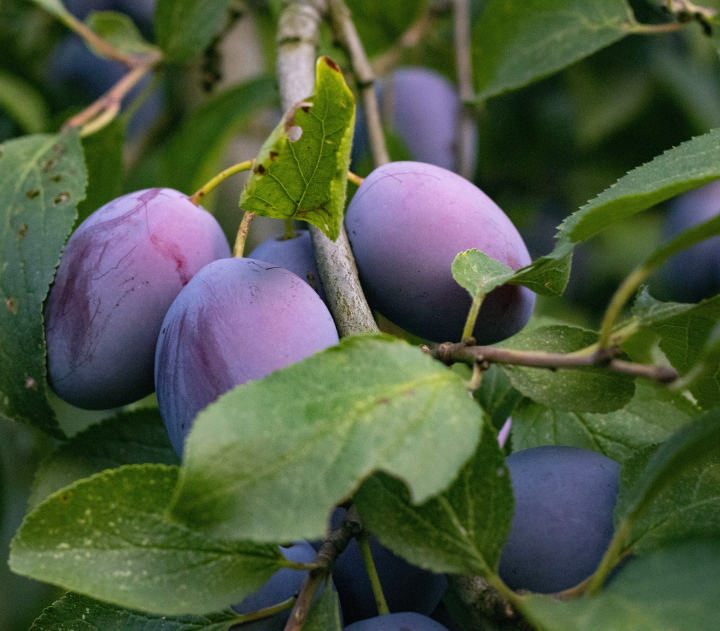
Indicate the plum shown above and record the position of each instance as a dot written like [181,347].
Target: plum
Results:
[563,520]
[295,255]
[425,108]
[406,223]
[284,584]
[406,621]
[237,320]
[406,587]
[118,275]
[701,260]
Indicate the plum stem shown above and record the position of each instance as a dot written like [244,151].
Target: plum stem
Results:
[239,247]
[289,230]
[266,612]
[197,196]
[346,32]
[623,293]
[364,545]
[355,179]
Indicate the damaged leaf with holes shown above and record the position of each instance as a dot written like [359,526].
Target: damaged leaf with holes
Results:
[301,170]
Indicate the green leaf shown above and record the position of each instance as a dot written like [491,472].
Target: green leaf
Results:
[184,28]
[651,417]
[570,390]
[479,273]
[136,437]
[515,43]
[301,170]
[676,588]
[688,507]
[687,166]
[74,612]
[185,164]
[545,276]
[693,442]
[118,30]
[23,103]
[55,7]
[42,179]
[104,159]
[270,459]
[497,396]
[109,537]
[324,614]
[460,531]
[648,311]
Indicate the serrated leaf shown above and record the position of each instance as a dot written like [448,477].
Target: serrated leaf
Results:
[136,437]
[675,588]
[42,179]
[695,441]
[324,615]
[109,537]
[460,531]
[120,31]
[184,164]
[479,273]
[516,43]
[301,170]
[687,166]
[570,390]
[74,612]
[546,276]
[23,103]
[270,459]
[651,417]
[688,507]
[184,28]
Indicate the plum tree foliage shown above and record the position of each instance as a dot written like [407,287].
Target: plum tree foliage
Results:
[345,384]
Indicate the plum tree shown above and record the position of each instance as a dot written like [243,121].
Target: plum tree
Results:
[295,255]
[118,275]
[406,587]
[406,621]
[283,585]
[686,211]
[424,108]
[563,520]
[406,223]
[237,320]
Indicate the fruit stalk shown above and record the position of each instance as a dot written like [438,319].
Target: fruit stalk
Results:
[297,38]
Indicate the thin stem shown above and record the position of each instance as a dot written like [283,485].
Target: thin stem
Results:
[611,557]
[653,29]
[355,179]
[97,42]
[622,295]
[265,612]
[364,545]
[197,196]
[289,229]
[475,379]
[345,31]
[464,132]
[239,247]
[472,316]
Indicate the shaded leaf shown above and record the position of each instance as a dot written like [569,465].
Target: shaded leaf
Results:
[109,537]
[271,458]
[545,276]
[184,28]
[23,103]
[324,614]
[118,30]
[497,396]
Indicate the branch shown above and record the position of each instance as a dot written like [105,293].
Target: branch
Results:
[297,37]
[467,352]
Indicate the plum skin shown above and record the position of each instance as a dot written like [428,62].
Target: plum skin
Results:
[405,621]
[237,320]
[406,223]
[118,275]
[295,255]
[563,520]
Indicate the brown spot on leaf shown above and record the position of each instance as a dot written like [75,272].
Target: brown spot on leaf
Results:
[409,392]
[383,401]
[22,231]
[56,178]
[332,64]
[306,108]
[65,497]
[48,164]
[32,194]
[259,169]
[11,306]
[273,156]
[61,198]
[59,149]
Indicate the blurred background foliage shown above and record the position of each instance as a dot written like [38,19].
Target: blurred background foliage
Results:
[543,150]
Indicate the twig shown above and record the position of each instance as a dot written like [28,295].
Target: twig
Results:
[239,247]
[197,196]
[297,38]
[464,135]
[467,352]
[329,551]
[347,34]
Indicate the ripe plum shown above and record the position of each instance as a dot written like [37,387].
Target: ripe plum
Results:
[118,275]
[295,255]
[406,223]
[406,621]
[563,520]
[237,320]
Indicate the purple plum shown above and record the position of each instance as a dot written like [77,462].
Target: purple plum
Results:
[406,223]
[118,275]
[406,621]
[295,255]
[563,520]
[237,320]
